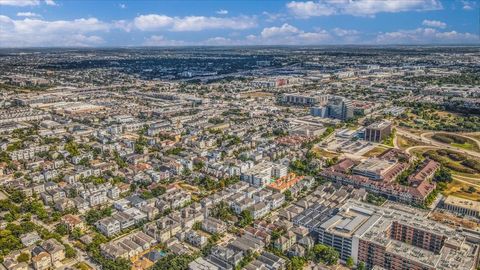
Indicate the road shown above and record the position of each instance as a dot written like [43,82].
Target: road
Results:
[424,139]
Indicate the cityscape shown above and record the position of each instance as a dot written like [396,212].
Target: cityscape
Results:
[289,153]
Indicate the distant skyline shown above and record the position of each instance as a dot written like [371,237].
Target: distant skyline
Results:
[73,23]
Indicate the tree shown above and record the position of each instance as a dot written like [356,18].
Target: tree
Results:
[246,218]
[288,196]
[24,257]
[325,254]
[70,252]
[361,266]
[349,262]
[297,263]
[17,196]
[76,233]
[443,175]
[61,229]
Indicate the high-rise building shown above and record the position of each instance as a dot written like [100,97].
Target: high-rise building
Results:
[378,131]
[336,107]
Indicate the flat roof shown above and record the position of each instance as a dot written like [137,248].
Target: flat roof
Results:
[464,203]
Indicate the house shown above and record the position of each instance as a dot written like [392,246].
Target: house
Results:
[195,239]
[41,261]
[11,262]
[73,222]
[29,239]
[276,200]
[109,226]
[55,249]
[267,261]
[150,211]
[285,241]
[259,210]
[241,205]
[64,204]
[126,221]
[213,225]
[136,201]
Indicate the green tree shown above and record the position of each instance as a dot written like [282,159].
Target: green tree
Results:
[17,196]
[246,218]
[297,263]
[349,262]
[61,229]
[24,257]
[361,266]
[70,252]
[325,254]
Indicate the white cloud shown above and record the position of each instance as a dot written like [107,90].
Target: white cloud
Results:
[285,29]
[124,25]
[20,3]
[28,14]
[290,35]
[50,3]
[426,36]
[157,40]
[345,32]
[122,6]
[272,17]
[222,12]
[310,9]
[359,7]
[37,32]
[433,23]
[468,5]
[199,23]
[154,22]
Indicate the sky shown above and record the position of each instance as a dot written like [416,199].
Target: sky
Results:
[112,23]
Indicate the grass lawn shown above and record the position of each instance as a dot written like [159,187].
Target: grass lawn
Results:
[404,142]
[324,153]
[456,140]
[466,146]
[378,150]
[82,266]
[459,189]
[471,178]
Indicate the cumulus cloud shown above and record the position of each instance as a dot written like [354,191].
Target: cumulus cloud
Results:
[20,3]
[426,36]
[290,35]
[359,7]
[122,6]
[28,14]
[310,9]
[154,22]
[222,12]
[433,23]
[38,32]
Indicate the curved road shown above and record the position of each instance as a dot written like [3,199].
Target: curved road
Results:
[424,135]
[436,143]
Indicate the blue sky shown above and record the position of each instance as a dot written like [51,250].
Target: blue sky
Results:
[32,23]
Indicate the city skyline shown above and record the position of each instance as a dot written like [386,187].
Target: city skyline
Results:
[55,23]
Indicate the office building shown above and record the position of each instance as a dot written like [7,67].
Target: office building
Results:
[378,131]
